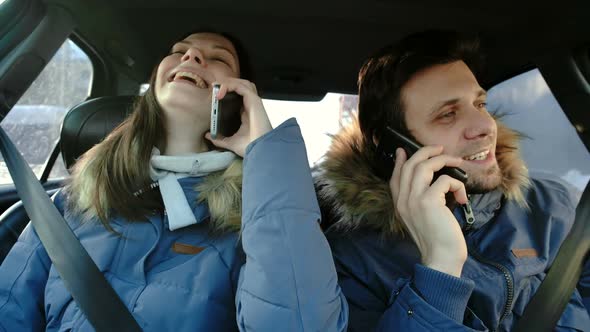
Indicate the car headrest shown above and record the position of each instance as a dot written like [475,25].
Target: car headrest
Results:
[88,123]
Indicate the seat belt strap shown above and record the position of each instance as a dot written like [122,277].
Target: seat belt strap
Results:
[88,286]
[555,291]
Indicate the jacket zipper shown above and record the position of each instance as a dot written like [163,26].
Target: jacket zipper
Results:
[469,221]
[469,217]
[507,277]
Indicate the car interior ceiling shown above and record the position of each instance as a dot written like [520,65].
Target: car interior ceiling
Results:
[306,48]
[300,51]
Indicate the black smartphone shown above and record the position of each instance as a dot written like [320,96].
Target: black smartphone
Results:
[391,140]
[225,113]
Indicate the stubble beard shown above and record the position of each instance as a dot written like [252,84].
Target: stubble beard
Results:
[485,181]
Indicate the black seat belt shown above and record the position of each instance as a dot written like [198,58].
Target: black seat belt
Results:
[555,291]
[88,286]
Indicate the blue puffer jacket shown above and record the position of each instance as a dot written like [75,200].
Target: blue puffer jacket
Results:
[510,249]
[189,279]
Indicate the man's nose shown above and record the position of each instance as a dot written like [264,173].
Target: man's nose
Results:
[480,124]
[194,54]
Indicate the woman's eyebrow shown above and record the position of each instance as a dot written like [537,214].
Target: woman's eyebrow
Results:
[215,46]
[221,47]
[177,44]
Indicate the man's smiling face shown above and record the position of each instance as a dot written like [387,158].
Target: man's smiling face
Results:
[444,105]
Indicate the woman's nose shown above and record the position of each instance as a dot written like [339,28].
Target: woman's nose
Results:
[194,54]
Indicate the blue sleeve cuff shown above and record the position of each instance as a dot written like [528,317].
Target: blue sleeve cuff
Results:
[277,175]
[276,131]
[445,292]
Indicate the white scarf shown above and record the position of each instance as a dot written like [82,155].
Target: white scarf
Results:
[168,169]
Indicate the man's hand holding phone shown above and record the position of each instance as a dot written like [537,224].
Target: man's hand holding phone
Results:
[254,120]
[421,205]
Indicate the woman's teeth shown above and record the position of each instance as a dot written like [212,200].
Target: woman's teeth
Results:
[478,156]
[193,78]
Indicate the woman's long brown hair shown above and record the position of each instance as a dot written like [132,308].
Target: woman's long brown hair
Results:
[106,177]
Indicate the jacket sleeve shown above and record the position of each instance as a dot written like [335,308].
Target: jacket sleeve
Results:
[289,282]
[429,301]
[23,276]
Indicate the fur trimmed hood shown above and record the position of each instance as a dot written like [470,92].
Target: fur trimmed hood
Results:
[223,193]
[357,197]
[221,190]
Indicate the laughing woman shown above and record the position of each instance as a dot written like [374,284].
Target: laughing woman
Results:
[162,209]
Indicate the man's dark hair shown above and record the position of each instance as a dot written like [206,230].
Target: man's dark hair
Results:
[384,74]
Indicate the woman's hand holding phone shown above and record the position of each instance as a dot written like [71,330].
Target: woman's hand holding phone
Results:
[421,206]
[255,122]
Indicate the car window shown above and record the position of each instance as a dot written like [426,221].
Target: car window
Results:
[551,144]
[33,124]
[317,120]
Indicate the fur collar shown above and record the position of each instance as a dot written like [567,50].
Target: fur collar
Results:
[356,197]
[221,190]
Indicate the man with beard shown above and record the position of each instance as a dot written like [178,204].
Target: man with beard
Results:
[419,252]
